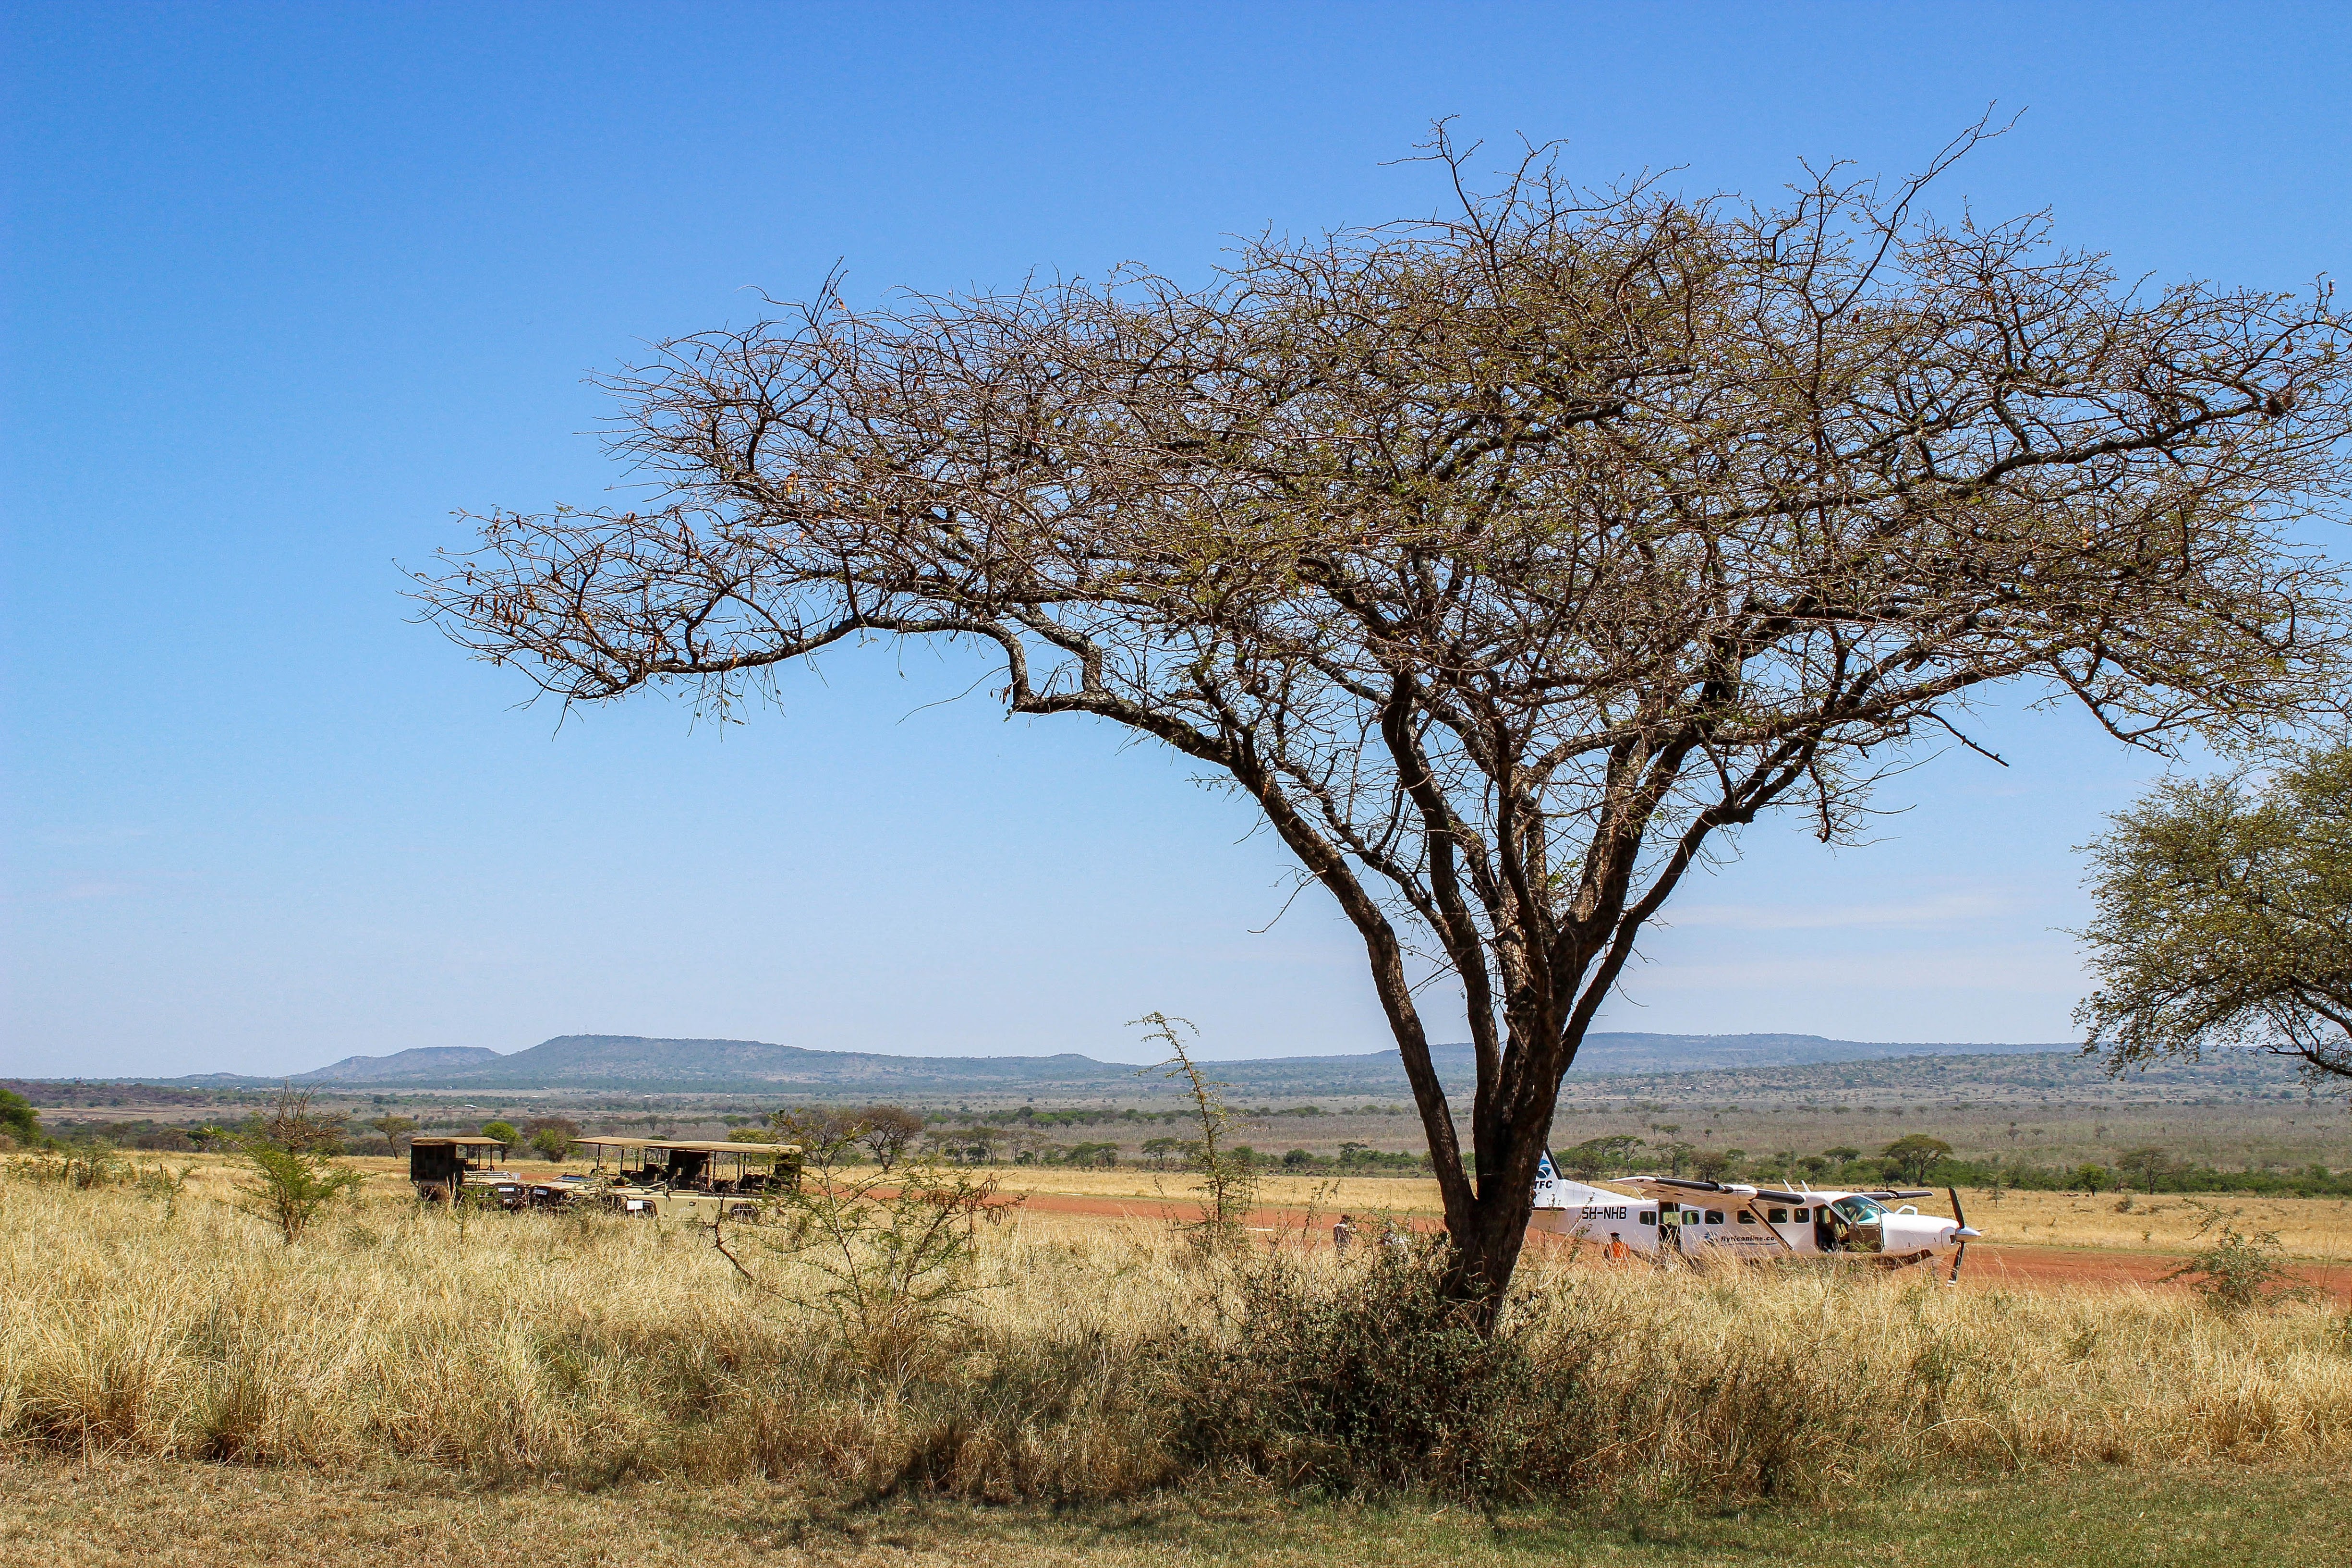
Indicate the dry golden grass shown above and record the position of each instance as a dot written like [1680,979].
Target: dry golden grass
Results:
[595,1348]
[1149,1191]
[2319,1229]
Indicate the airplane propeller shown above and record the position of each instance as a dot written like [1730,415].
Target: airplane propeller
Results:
[1959,1254]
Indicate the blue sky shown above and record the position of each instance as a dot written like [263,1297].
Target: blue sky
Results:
[284,286]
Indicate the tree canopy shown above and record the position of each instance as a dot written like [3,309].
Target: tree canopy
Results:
[2222,918]
[1914,1154]
[1507,561]
[18,1120]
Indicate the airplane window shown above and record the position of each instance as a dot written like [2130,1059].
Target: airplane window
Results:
[1778,1216]
[1745,1218]
[1714,1216]
[1799,1216]
[1649,1217]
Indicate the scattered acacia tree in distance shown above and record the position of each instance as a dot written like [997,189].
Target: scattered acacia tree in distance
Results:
[885,1131]
[1602,1156]
[1914,1154]
[2145,1168]
[394,1128]
[1509,561]
[2221,916]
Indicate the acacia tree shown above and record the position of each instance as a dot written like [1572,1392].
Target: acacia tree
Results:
[1506,561]
[1915,1154]
[2222,917]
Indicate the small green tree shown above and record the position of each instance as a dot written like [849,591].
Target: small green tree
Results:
[18,1120]
[1229,1180]
[550,1137]
[505,1132]
[289,1187]
[895,1261]
[2237,1270]
[1913,1154]
[2091,1178]
[2219,919]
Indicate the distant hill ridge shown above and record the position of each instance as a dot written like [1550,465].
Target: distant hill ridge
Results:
[641,1062]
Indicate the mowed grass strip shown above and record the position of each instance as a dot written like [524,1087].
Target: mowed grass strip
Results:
[109,1511]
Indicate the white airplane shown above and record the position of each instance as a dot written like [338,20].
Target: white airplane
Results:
[1666,1217]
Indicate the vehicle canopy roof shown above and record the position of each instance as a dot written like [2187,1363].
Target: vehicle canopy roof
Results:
[692,1145]
[458,1142]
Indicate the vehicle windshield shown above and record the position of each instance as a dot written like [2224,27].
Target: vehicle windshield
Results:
[1861,1211]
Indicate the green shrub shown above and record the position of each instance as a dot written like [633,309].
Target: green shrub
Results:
[2236,1270]
[290,1188]
[18,1120]
[1378,1384]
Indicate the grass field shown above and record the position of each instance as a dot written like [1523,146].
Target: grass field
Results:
[176,1382]
[2319,1229]
[2316,1228]
[111,1511]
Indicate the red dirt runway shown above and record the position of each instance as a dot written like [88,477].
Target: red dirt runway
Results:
[1988,1263]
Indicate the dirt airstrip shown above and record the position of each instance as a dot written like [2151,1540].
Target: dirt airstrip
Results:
[1989,1264]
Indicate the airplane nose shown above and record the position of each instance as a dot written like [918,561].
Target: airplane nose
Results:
[1966,1233]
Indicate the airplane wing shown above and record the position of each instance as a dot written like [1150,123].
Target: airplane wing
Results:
[1670,1186]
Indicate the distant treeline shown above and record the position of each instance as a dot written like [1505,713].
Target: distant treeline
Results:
[1030,1116]
[2310,1182]
[47,1092]
[1919,1161]
[1021,1137]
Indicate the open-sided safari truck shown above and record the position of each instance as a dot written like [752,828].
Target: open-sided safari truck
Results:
[691,1178]
[442,1168]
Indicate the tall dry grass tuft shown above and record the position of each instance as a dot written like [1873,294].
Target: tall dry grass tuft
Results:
[1100,1361]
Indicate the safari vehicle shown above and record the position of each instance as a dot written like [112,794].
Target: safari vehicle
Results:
[442,1168]
[565,1191]
[691,1178]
